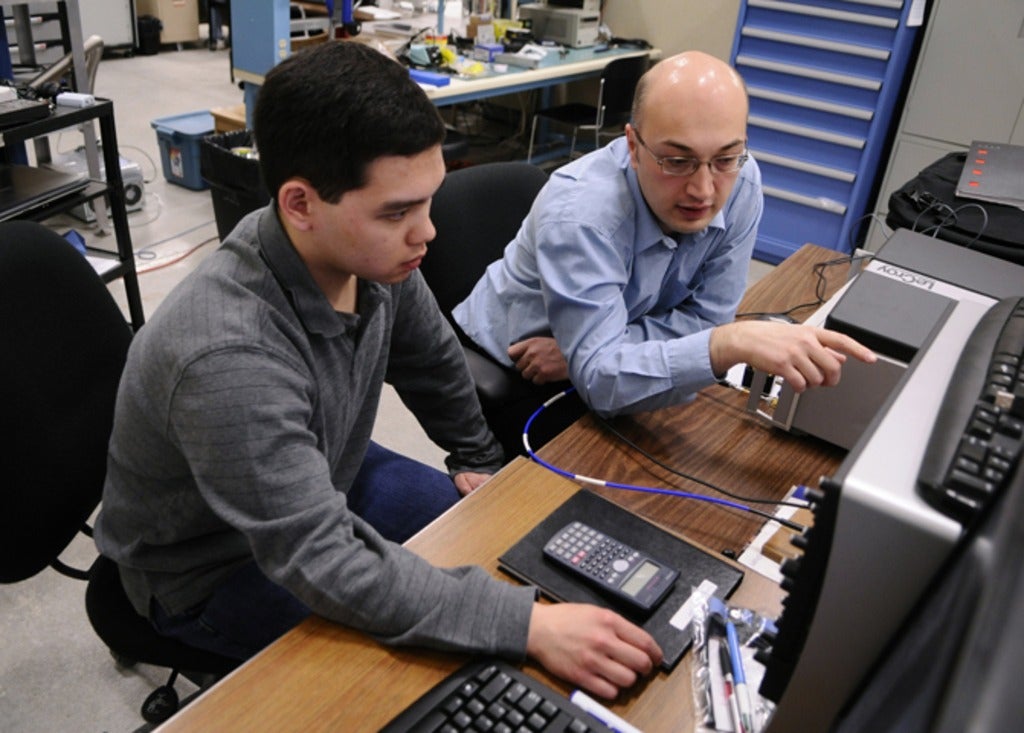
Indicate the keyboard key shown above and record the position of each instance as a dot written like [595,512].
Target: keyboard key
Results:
[967,465]
[462,721]
[529,702]
[495,687]
[965,483]
[536,721]
[516,691]
[973,449]
[515,718]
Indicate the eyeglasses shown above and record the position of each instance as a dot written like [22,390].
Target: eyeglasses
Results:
[680,166]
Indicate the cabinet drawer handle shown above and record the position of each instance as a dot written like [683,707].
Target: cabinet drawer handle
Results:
[785,161]
[843,15]
[807,72]
[813,133]
[846,110]
[814,202]
[798,39]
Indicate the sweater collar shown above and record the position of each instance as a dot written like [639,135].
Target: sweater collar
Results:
[309,302]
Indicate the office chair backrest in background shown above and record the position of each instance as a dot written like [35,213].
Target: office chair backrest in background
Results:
[477,211]
[607,115]
[620,79]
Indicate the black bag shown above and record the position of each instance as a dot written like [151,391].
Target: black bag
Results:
[928,203]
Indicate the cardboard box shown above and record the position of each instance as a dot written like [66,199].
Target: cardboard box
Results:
[228,119]
[179,18]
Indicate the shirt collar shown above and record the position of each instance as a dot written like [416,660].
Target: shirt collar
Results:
[310,304]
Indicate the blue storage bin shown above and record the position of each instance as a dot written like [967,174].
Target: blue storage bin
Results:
[179,137]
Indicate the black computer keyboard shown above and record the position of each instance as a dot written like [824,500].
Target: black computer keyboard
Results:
[492,695]
[976,443]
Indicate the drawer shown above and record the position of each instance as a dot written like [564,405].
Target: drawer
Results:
[823,78]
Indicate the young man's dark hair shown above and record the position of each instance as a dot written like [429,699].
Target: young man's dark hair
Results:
[385,113]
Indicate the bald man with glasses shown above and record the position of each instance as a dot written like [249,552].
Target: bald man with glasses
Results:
[625,276]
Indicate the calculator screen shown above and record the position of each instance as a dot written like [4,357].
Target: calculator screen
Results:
[639,579]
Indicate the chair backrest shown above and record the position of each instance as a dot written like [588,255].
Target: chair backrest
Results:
[477,211]
[62,67]
[620,78]
[65,341]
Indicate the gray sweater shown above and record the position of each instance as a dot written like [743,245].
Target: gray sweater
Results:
[242,418]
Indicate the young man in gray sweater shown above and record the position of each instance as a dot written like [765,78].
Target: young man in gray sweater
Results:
[243,491]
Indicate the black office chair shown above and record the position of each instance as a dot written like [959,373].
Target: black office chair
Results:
[612,110]
[454,149]
[65,341]
[477,212]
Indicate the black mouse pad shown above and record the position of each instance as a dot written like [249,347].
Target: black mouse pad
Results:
[670,622]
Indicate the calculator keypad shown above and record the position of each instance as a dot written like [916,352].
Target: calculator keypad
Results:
[594,552]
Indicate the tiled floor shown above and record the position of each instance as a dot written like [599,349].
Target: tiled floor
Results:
[55,674]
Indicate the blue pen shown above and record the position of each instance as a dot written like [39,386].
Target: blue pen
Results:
[739,678]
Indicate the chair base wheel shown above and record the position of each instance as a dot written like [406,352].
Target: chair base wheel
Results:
[161,704]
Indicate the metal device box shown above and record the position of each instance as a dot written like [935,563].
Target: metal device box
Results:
[568,26]
[893,307]
[131,176]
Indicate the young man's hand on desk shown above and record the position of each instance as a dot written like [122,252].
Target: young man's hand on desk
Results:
[469,481]
[591,647]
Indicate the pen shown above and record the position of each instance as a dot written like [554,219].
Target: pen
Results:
[737,723]
[739,678]
[600,712]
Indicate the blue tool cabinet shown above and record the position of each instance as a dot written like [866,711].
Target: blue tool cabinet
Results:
[824,77]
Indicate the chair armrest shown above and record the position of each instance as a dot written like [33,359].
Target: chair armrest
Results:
[495,384]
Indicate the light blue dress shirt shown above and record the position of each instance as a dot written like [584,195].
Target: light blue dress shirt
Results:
[630,307]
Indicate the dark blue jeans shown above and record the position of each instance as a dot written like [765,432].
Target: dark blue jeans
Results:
[396,495]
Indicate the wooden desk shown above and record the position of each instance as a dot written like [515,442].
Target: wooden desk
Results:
[323,677]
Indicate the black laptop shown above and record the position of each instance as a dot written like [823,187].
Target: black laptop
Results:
[24,187]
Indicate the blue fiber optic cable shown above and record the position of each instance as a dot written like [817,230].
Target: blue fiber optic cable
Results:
[613,484]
